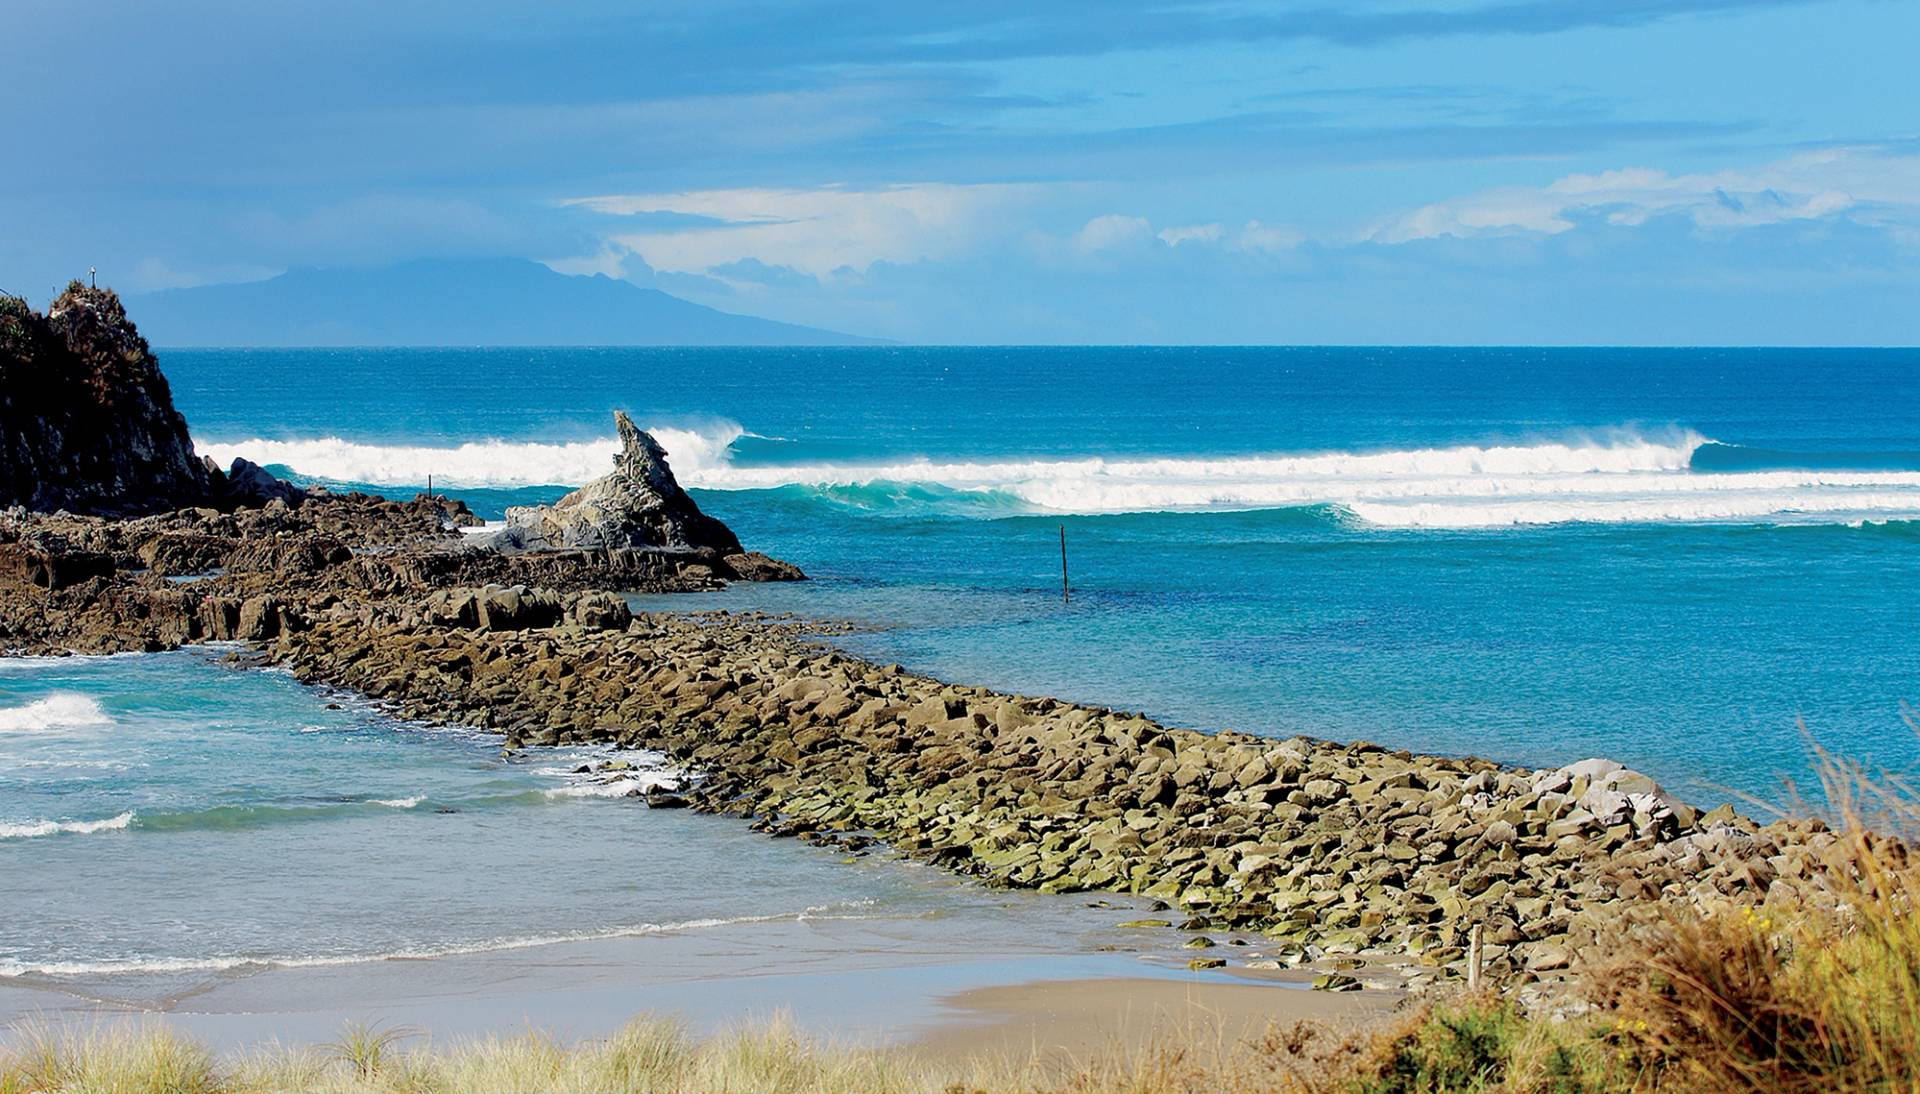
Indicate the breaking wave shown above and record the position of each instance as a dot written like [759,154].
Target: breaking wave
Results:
[489,463]
[63,710]
[1622,477]
[33,829]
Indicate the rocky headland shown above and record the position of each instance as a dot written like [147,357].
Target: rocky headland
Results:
[1352,860]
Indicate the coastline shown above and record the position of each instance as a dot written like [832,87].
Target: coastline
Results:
[1351,860]
[1359,866]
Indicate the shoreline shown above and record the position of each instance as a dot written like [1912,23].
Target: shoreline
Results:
[920,1002]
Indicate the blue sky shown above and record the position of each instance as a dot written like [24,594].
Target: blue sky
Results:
[1446,171]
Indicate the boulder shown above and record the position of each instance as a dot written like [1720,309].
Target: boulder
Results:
[248,484]
[754,566]
[600,612]
[516,608]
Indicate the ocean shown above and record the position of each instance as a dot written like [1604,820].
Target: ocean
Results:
[1700,563]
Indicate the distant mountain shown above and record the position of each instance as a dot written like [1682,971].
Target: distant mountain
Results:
[481,302]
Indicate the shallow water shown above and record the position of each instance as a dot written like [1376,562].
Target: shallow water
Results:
[169,823]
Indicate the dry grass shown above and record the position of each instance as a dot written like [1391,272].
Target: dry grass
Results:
[1823,995]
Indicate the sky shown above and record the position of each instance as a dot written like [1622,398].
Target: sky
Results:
[1416,171]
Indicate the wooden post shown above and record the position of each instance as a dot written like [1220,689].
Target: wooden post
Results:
[1474,957]
[429,484]
[1065,596]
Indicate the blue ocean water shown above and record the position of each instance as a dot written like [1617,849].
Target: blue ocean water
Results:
[1675,558]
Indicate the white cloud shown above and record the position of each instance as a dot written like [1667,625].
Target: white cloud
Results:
[1111,233]
[1868,184]
[818,232]
[1266,238]
[1115,232]
[1192,233]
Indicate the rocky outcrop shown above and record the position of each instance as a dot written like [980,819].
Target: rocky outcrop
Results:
[94,585]
[247,483]
[87,422]
[86,419]
[639,505]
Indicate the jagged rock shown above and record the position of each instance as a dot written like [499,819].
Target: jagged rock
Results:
[87,421]
[754,566]
[52,565]
[247,483]
[601,611]
[638,505]
[516,608]
[178,553]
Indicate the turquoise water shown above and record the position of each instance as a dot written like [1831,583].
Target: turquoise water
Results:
[1670,557]
[168,823]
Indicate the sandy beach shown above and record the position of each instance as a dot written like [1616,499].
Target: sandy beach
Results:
[912,994]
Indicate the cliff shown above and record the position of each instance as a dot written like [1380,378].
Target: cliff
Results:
[86,419]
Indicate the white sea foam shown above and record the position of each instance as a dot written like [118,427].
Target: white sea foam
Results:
[61,710]
[14,967]
[474,464]
[1604,478]
[31,829]
[398,803]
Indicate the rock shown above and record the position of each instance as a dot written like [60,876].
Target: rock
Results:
[638,505]
[1335,981]
[52,565]
[298,553]
[754,566]
[178,553]
[259,619]
[516,608]
[600,612]
[87,422]
[246,483]
[1207,963]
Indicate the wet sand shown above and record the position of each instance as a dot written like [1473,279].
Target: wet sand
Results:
[1065,1023]
[849,984]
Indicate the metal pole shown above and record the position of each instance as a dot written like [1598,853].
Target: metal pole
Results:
[1065,596]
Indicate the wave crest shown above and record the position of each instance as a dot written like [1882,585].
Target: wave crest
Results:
[61,710]
[475,464]
[33,829]
[1619,477]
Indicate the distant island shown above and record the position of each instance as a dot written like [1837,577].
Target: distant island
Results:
[495,302]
